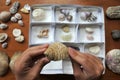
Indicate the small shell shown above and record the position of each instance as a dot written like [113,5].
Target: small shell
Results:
[8,2]
[16,32]
[89,30]
[15,56]
[69,17]
[3,26]
[66,28]
[4,45]
[20,38]
[18,16]
[94,49]
[27,7]
[115,34]
[23,10]
[90,37]
[5,16]
[61,17]
[66,37]
[43,33]
[4,63]
[3,37]
[57,51]
[13,19]
[20,22]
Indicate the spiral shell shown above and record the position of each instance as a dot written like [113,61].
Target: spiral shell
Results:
[57,51]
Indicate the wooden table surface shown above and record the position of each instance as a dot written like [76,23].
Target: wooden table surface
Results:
[13,46]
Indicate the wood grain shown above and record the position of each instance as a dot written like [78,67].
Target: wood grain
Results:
[14,46]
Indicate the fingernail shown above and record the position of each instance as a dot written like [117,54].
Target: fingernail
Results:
[71,51]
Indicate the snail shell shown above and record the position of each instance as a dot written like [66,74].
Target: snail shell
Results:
[57,51]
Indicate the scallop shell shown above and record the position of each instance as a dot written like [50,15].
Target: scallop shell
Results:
[13,59]
[3,26]
[57,51]
[3,37]
[4,63]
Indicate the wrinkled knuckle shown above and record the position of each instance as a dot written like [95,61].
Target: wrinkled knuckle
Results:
[76,74]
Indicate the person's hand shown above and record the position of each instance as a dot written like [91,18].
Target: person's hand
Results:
[30,63]
[85,66]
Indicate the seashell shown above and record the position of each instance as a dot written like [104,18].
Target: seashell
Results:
[3,37]
[4,63]
[27,7]
[115,34]
[64,11]
[5,16]
[16,32]
[113,12]
[15,56]
[89,30]
[66,37]
[18,16]
[84,15]
[61,17]
[4,45]
[66,28]
[20,38]
[13,19]
[8,2]
[38,14]
[94,49]
[69,17]
[23,10]
[90,37]
[20,22]
[43,33]
[15,7]
[3,26]
[113,60]
[57,51]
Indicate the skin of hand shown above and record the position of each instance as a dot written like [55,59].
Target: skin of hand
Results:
[30,63]
[85,66]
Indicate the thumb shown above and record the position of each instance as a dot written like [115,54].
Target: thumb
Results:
[39,65]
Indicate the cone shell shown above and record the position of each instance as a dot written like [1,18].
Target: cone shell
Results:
[57,51]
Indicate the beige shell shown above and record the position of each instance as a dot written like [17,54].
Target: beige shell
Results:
[4,61]
[13,59]
[57,51]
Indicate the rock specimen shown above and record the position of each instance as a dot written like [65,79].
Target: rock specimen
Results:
[113,60]
[57,51]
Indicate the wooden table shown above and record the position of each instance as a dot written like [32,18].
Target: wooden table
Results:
[13,46]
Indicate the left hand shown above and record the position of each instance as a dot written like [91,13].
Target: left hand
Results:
[30,63]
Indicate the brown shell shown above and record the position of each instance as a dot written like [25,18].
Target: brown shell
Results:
[57,51]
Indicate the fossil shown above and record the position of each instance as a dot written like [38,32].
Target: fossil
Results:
[57,51]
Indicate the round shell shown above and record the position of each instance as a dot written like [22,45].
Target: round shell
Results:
[18,16]
[16,32]
[57,51]
[13,59]
[113,60]
[3,37]
[20,22]
[5,16]
[13,19]
[20,38]
[4,63]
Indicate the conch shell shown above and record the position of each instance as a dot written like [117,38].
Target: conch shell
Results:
[57,51]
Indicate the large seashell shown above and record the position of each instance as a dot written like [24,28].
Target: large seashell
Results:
[57,51]
[113,12]
[7,2]
[20,38]
[3,37]
[15,56]
[20,22]
[5,16]
[13,19]
[113,60]
[18,16]
[15,7]
[4,63]
[3,26]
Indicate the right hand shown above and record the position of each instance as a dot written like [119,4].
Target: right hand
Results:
[85,66]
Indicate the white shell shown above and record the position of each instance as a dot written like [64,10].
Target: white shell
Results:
[20,38]
[89,30]
[94,49]
[3,26]
[16,32]
[20,22]
[18,16]
[90,37]
[4,45]
[7,2]
[13,19]
[3,37]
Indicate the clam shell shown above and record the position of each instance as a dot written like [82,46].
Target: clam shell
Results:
[3,37]
[57,51]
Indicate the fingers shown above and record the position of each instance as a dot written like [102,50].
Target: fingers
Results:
[39,65]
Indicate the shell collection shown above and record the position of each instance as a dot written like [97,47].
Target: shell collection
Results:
[14,8]
[113,12]
[88,16]
[65,14]
[89,32]
[56,51]
[113,60]
[5,16]
[17,33]
[43,33]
